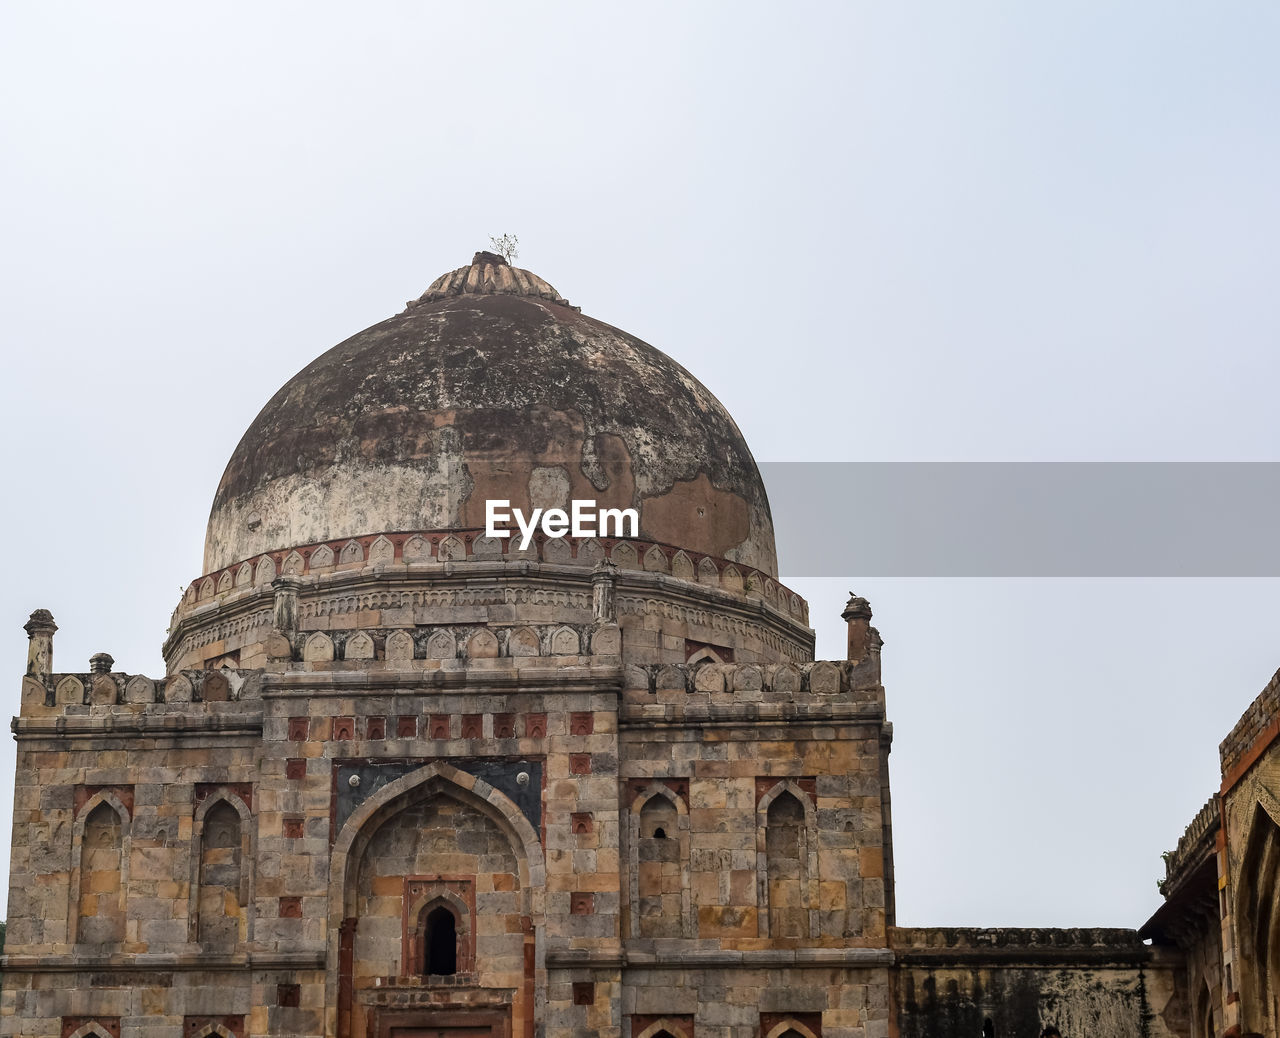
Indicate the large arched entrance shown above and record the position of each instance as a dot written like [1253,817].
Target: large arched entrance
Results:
[434,892]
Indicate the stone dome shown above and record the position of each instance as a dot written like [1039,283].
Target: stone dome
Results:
[489,386]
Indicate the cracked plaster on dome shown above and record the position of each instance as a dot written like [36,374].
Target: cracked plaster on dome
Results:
[413,423]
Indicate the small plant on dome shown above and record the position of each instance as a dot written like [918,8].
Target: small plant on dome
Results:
[505,246]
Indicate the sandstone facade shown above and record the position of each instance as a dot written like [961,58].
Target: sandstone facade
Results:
[273,846]
[404,778]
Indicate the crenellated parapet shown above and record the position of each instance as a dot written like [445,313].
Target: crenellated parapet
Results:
[114,694]
[714,691]
[819,680]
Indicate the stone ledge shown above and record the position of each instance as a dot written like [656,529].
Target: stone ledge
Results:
[1012,946]
[688,958]
[657,714]
[186,961]
[1024,958]
[606,678]
[136,724]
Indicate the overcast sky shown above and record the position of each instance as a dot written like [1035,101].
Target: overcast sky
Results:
[895,231]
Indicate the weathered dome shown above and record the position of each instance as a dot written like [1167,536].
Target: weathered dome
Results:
[490,386]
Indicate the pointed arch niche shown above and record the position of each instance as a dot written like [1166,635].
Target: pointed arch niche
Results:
[436,878]
[1204,1026]
[1258,917]
[658,827]
[662,1027]
[100,850]
[99,1027]
[786,861]
[199,1027]
[801,1025]
[220,909]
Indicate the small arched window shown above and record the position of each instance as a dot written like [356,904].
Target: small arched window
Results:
[440,946]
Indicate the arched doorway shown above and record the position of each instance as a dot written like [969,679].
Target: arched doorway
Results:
[409,866]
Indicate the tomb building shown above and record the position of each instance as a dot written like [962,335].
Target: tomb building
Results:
[404,777]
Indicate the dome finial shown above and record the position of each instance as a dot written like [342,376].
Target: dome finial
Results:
[490,274]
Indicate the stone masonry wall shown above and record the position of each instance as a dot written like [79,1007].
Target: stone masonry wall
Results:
[958,983]
[288,836]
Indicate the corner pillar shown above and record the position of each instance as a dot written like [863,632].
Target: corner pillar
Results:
[40,630]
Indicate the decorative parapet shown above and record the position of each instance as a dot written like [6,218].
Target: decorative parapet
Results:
[112,694]
[823,689]
[1257,727]
[1197,840]
[449,645]
[735,691]
[254,623]
[426,549]
[783,680]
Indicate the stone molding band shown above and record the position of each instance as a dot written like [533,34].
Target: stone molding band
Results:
[439,547]
[402,587]
[823,958]
[202,962]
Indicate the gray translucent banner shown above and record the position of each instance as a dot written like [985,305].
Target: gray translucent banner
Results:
[1067,519]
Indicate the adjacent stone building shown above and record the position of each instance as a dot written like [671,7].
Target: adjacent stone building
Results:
[404,778]
[1221,916]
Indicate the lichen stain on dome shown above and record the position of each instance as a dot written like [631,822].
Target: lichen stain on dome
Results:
[468,396]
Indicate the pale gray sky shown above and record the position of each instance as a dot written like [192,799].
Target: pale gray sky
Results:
[876,231]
